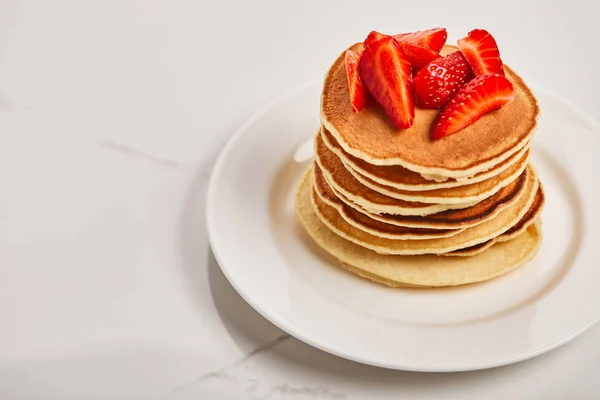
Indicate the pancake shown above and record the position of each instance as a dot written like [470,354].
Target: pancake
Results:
[467,238]
[419,271]
[370,136]
[456,195]
[449,274]
[372,226]
[343,181]
[451,219]
[530,218]
[401,178]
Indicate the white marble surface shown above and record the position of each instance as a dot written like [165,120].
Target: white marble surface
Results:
[111,115]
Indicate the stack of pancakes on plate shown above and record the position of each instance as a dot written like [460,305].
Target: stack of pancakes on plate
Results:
[401,209]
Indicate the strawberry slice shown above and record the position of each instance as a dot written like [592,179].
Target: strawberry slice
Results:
[373,37]
[385,71]
[440,80]
[481,51]
[433,39]
[482,95]
[355,86]
[418,56]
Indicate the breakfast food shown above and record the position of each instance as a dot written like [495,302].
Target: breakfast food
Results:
[421,175]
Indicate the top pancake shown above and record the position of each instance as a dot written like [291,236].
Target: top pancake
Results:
[370,136]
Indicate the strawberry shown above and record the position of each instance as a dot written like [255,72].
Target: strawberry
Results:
[440,80]
[355,86]
[482,95]
[373,37]
[481,51]
[433,39]
[413,45]
[418,56]
[386,73]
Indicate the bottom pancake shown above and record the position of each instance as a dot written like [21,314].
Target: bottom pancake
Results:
[419,271]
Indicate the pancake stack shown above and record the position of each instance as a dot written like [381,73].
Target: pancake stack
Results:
[403,210]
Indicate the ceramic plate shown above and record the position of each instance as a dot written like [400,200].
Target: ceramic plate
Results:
[278,270]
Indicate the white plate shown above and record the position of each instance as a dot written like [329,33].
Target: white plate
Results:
[277,269]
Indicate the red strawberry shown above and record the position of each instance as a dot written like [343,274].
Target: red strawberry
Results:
[373,37]
[481,51]
[482,95]
[385,71]
[414,45]
[433,39]
[355,86]
[440,80]
[418,56]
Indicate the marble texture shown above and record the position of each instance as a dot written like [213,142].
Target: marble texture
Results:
[112,114]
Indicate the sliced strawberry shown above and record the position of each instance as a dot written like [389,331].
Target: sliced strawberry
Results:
[386,72]
[418,56]
[482,95]
[433,39]
[414,45]
[373,37]
[355,86]
[441,79]
[481,51]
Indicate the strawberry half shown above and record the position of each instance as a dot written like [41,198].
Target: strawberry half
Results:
[385,71]
[482,95]
[441,79]
[433,39]
[418,56]
[373,37]
[355,86]
[481,51]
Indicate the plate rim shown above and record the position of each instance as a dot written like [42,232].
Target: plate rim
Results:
[290,329]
